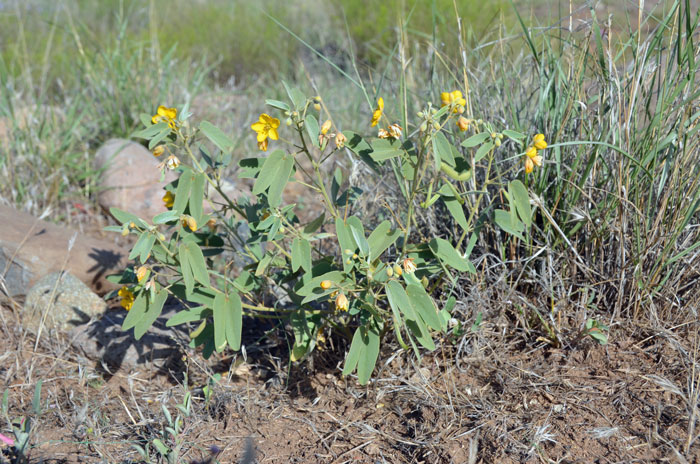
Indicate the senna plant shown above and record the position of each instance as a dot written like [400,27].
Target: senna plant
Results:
[253,257]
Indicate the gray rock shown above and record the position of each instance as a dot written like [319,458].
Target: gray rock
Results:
[31,248]
[63,301]
[104,341]
[131,178]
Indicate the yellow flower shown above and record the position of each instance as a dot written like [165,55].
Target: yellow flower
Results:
[531,152]
[262,146]
[326,127]
[266,127]
[537,160]
[141,273]
[529,165]
[340,140]
[463,123]
[341,302]
[395,131]
[376,116]
[326,284]
[169,199]
[538,142]
[211,223]
[409,266]
[454,98]
[127,298]
[159,150]
[189,222]
[164,114]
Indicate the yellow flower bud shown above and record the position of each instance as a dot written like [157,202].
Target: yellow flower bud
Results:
[389,271]
[497,142]
[326,127]
[169,199]
[397,270]
[211,223]
[529,165]
[340,140]
[141,273]
[159,150]
[463,123]
[409,266]
[424,281]
[341,302]
[189,222]
[317,107]
[262,145]
[326,284]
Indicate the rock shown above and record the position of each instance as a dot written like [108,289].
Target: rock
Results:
[131,178]
[31,248]
[65,301]
[104,341]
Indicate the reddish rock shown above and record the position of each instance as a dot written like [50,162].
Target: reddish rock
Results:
[31,249]
[131,178]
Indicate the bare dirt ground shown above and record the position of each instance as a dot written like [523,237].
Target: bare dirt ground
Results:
[495,395]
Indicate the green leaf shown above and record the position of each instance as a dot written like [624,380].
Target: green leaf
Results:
[274,176]
[368,356]
[353,356]
[513,135]
[453,206]
[125,218]
[182,193]
[166,217]
[475,140]
[424,306]
[228,319]
[36,401]
[296,96]
[220,317]
[277,104]
[399,301]
[160,447]
[139,245]
[444,251]
[312,289]
[234,326]
[158,138]
[483,151]
[358,233]
[345,241]
[508,223]
[193,265]
[147,247]
[188,315]
[138,309]
[382,238]
[312,128]
[250,167]
[153,310]
[216,136]
[197,196]
[263,264]
[384,149]
[442,150]
[151,131]
[301,255]
[521,199]
[314,225]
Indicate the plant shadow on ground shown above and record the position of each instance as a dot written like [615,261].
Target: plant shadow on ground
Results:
[493,395]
